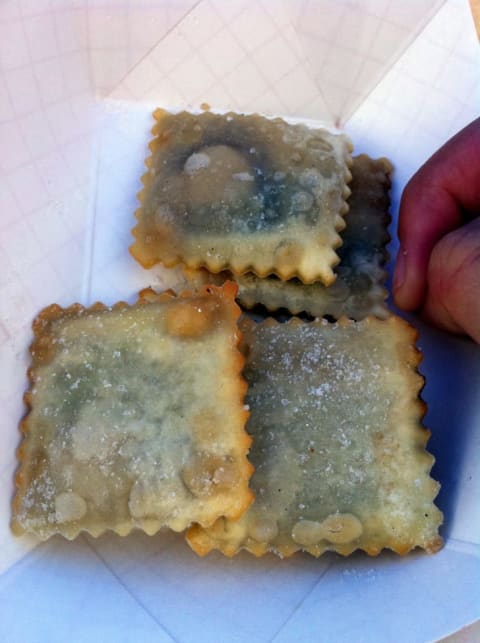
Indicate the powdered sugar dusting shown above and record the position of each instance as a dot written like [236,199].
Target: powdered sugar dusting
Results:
[114,423]
[331,445]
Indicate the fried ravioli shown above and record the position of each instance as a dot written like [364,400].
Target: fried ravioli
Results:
[243,193]
[338,446]
[136,417]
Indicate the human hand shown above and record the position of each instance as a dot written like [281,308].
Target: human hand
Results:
[438,264]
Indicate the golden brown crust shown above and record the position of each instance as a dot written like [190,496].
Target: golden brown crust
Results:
[207,196]
[338,446]
[105,447]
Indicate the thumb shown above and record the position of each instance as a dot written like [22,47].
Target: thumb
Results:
[453,282]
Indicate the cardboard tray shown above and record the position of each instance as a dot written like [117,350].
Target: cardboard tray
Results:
[78,81]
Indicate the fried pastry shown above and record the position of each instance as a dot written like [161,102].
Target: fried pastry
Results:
[243,193]
[338,446]
[136,417]
[359,289]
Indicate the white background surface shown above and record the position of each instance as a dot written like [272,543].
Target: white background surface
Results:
[78,80]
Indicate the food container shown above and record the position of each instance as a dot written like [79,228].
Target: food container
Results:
[78,82]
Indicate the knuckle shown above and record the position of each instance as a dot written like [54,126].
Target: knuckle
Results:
[455,262]
[454,281]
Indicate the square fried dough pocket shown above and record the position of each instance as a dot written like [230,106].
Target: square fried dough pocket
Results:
[243,193]
[338,446]
[136,417]
[359,290]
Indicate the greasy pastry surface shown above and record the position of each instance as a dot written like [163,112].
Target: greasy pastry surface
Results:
[243,193]
[338,448]
[359,289]
[136,417]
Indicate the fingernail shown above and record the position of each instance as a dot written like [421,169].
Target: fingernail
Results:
[400,269]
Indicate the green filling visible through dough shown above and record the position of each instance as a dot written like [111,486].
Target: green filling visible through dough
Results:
[237,175]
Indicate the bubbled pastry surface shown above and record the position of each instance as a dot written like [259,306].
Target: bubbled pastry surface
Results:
[136,417]
[243,193]
[338,448]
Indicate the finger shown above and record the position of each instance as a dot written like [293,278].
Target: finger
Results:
[453,294]
[433,204]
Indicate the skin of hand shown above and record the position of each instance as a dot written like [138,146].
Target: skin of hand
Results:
[437,269]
